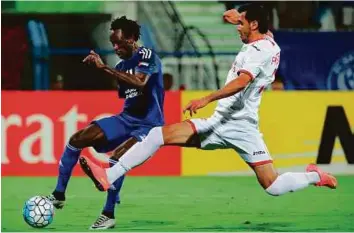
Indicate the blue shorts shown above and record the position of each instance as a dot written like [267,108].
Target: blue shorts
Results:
[117,130]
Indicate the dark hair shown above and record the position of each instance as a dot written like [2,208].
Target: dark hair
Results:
[129,27]
[256,12]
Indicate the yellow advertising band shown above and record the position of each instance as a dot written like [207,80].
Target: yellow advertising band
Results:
[292,124]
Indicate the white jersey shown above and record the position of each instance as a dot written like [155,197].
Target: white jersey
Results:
[259,59]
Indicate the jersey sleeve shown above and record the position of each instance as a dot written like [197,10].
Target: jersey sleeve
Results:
[146,61]
[254,62]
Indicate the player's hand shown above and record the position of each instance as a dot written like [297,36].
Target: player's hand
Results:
[193,105]
[94,59]
[232,16]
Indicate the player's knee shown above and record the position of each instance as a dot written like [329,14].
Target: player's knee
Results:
[76,141]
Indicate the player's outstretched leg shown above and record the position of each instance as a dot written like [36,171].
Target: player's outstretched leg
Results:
[277,185]
[138,154]
[83,138]
[181,134]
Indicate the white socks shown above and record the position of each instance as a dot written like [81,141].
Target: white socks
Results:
[290,182]
[137,154]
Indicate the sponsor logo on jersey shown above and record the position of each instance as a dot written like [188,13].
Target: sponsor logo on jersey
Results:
[261,152]
[131,93]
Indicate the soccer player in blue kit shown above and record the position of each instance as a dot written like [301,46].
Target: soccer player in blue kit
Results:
[140,82]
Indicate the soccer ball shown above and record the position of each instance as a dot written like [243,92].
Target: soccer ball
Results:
[38,212]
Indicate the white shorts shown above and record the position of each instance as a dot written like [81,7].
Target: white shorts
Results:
[216,132]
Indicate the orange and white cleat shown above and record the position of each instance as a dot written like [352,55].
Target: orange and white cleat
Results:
[96,173]
[326,179]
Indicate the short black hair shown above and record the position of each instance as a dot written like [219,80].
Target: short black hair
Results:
[256,12]
[130,28]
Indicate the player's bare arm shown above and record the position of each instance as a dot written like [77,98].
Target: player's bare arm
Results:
[138,80]
[229,89]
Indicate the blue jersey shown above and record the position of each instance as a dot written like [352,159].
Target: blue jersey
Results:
[143,106]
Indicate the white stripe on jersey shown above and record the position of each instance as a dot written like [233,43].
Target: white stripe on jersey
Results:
[146,53]
[142,52]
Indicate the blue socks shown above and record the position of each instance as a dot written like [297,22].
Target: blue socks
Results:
[113,194]
[66,165]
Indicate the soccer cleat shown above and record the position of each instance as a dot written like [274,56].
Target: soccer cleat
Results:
[58,204]
[326,179]
[103,223]
[97,174]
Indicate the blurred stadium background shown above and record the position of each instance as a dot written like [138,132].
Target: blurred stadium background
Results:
[307,115]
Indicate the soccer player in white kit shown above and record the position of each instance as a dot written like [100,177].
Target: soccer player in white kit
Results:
[234,124]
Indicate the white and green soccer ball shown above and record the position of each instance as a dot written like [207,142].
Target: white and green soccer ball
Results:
[38,212]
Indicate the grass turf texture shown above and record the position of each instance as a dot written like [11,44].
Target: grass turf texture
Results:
[187,204]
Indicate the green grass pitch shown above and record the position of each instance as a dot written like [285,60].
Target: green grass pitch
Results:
[187,204]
